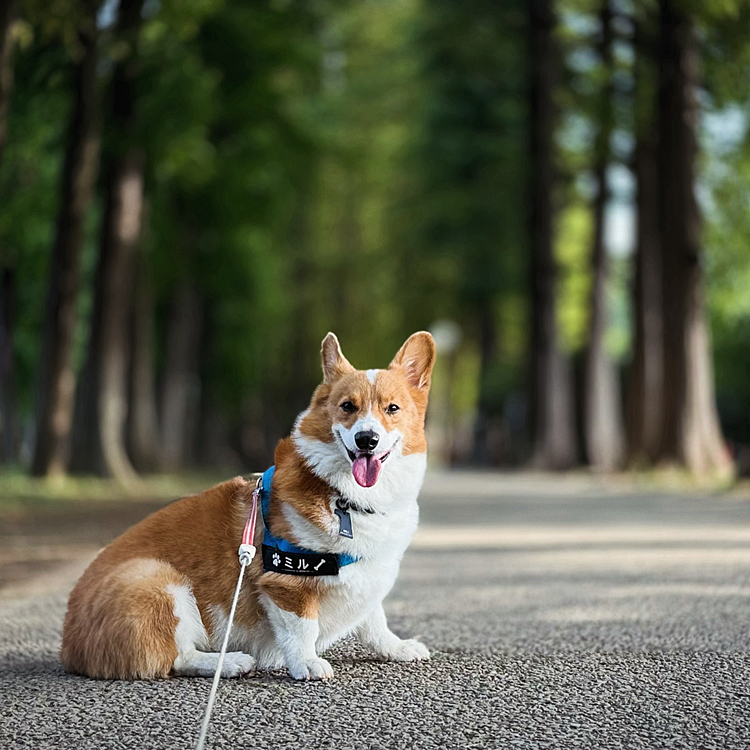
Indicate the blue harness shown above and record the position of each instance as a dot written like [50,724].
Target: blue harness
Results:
[281,556]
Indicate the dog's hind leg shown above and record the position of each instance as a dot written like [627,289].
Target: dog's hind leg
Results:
[190,636]
[120,622]
[138,620]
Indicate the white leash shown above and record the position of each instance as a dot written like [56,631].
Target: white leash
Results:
[246,553]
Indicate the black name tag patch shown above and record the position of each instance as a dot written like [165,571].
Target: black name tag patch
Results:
[299,563]
[345,522]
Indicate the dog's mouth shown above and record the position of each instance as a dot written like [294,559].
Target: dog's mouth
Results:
[366,465]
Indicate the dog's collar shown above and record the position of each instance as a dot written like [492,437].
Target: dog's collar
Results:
[281,556]
[347,505]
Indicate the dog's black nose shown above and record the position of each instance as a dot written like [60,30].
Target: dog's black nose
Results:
[366,440]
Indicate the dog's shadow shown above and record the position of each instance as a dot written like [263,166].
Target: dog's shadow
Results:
[35,664]
[343,657]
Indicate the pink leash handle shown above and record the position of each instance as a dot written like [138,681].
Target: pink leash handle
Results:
[247,548]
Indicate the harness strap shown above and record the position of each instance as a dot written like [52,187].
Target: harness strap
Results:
[280,545]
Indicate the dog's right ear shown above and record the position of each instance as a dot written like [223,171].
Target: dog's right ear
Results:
[417,357]
[335,364]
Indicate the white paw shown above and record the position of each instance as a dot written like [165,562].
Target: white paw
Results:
[312,669]
[236,663]
[409,650]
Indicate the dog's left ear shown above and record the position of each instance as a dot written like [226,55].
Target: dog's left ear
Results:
[335,364]
[416,357]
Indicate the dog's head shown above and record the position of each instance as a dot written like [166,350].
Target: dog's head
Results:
[362,418]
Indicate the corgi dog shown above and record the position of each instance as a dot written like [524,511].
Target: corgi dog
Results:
[339,509]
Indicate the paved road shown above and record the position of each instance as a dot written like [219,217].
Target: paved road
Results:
[560,614]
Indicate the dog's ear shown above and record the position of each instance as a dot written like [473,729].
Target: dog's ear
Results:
[335,364]
[416,357]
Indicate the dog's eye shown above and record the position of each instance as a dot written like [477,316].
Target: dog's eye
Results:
[348,407]
[393,408]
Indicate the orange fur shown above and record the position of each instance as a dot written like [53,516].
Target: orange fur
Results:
[120,621]
[194,541]
[293,481]
[298,595]
[390,387]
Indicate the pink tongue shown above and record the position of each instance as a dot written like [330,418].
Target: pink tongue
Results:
[366,470]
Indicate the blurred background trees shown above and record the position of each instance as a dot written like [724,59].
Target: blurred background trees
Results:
[193,192]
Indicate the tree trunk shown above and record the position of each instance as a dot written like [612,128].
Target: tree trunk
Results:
[57,376]
[487,347]
[101,409]
[645,381]
[86,454]
[8,427]
[692,434]
[181,383]
[122,234]
[143,419]
[8,414]
[7,43]
[101,417]
[552,424]
[603,430]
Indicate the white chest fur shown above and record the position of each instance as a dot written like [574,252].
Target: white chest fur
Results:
[393,499]
[379,539]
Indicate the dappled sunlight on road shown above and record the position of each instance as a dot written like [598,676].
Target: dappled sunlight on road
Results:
[503,563]
[508,537]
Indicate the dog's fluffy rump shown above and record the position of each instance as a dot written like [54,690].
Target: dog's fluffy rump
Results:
[155,601]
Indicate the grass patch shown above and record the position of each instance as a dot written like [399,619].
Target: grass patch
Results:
[18,490]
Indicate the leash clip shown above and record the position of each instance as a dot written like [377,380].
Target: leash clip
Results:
[246,553]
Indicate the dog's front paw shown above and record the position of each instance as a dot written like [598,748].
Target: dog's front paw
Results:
[409,650]
[312,669]
[236,663]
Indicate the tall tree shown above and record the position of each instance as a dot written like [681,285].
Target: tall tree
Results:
[180,395]
[553,430]
[462,210]
[692,434]
[56,388]
[7,280]
[603,429]
[645,379]
[102,395]
[143,421]
[7,42]
[8,413]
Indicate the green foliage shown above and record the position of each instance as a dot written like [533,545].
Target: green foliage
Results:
[60,21]
[726,183]
[573,250]
[29,183]
[463,215]
[357,167]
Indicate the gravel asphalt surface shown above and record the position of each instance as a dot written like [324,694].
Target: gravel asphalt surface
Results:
[560,614]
